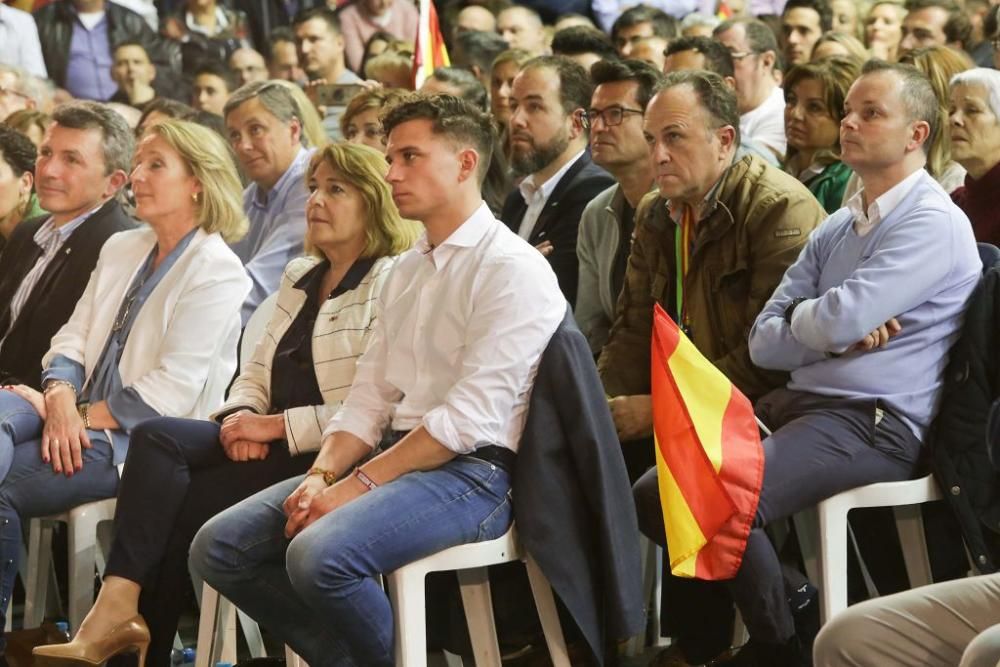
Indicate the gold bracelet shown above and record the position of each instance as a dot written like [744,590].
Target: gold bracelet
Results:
[84,411]
[329,476]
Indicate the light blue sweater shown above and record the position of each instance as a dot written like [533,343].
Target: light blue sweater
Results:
[919,265]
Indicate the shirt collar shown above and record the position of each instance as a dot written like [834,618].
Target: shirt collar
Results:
[707,204]
[48,230]
[261,200]
[468,234]
[880,209]
[221,23]
[530,191]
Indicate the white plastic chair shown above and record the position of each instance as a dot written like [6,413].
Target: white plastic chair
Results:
[406,589]
[255,328]
[826,526]
[85,558]
[217,632]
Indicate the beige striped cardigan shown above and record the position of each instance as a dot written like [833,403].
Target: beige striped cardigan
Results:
[342,331]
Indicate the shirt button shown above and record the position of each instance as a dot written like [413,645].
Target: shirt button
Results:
[982,560]
[955,490]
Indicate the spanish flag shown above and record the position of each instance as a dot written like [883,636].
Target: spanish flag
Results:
[709,459]
[430,52]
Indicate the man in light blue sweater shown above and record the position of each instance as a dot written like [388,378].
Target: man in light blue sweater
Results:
[864,321]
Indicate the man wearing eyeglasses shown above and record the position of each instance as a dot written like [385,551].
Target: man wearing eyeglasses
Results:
[548,143]
[623,88]
[760,100]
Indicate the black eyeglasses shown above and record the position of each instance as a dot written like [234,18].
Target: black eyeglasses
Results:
[611,116]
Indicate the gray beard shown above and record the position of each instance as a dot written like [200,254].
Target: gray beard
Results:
[538,157]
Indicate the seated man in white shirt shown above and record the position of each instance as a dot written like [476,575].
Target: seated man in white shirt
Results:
[463,321]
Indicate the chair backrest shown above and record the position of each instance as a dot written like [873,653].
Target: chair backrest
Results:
[256,325]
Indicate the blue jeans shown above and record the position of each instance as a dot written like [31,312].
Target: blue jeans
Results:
[29,487]
[318,592]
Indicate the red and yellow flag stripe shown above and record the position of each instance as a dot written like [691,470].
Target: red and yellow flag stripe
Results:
[709,459]
[430,51]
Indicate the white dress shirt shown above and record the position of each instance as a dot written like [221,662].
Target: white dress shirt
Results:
[536,197]
[19,37]
[460,333]
[878,210]
[765,125]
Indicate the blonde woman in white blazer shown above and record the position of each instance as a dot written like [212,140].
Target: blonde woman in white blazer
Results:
[181,472]
[153,334]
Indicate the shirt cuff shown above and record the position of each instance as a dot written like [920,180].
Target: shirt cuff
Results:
[442,428]
[65,369]
[128,408]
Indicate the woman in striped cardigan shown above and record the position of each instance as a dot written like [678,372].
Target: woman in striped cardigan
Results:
[180,473]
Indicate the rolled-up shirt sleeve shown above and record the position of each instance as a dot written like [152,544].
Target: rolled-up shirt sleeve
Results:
[61,367]
[518,308]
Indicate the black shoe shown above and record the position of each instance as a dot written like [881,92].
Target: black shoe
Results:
[761,654]
[261,662]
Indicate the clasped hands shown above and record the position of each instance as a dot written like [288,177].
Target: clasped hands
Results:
[313,499]
[247,436]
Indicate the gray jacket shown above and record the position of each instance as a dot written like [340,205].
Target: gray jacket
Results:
[596,246]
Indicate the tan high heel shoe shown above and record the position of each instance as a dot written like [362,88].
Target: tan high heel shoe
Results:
[132,635]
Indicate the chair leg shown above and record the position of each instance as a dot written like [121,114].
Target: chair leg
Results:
[406,590]
[82,561]
[207,622]
[807,531]
[546,604]
[475,586]
[251,632]
[225,637]
[832,560]
[39,564]
[910,526]
[292,659]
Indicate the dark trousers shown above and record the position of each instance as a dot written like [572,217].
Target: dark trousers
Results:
[177,477]
[820,447]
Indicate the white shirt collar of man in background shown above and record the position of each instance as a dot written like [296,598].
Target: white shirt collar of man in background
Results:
[536,197]
[880,209]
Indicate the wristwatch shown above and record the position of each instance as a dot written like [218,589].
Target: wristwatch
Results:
[329,476]
[792,306]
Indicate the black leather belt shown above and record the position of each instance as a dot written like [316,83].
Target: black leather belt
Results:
[495,454]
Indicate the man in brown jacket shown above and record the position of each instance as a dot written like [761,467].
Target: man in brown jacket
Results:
[744,223]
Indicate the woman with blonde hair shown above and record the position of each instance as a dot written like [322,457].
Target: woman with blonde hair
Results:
[30,122]
[814,107]
[883,29]
[360,122]
[939,64]
[181,472]
[833,43]
[154,333]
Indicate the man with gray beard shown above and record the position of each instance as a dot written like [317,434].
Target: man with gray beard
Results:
[548,142]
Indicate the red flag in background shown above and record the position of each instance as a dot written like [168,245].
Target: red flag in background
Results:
[430,51]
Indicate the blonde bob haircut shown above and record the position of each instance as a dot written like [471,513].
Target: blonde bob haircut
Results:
[220,203]
[386,233]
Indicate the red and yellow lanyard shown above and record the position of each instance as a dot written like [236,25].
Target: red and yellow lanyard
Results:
[682,251]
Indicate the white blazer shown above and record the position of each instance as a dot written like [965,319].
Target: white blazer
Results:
[341,333]
[181,352]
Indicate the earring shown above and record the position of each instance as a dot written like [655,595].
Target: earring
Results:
[194,197]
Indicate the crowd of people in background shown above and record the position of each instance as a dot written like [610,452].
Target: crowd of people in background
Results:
[800,184]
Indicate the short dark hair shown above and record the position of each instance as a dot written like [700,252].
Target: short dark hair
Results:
[470,88]
[117,143]
[759,36]
[479,48]
[718,58]
[664,25]
[821,7]
[322,12]
[451,117]
[917,94]
[168,107]
[279,34]
[575,86]
[131,42]
[17,151]
[580,39]
[718,98]
[917,5]
[639,71]
[216,68]
[958,29]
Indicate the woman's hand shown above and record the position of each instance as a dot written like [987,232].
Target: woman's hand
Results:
[64,435]
[332,498]
[297,504]
[246,425]
[31,395]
